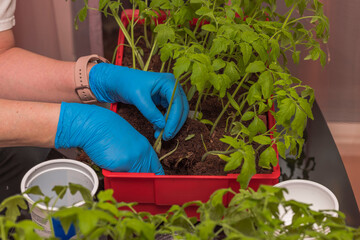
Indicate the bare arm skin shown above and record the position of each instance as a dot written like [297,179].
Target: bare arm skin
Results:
[25,123]
[27,80]
[28,76]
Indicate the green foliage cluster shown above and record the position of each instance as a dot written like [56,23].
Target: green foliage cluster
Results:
[250,215]
[224,48]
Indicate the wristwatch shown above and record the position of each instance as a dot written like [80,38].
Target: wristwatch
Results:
[82,87]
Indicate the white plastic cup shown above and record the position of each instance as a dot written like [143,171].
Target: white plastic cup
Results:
[309,192]
[51,173]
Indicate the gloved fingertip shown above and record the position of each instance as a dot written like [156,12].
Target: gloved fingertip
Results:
[168,135]
[157,133]
[160,123]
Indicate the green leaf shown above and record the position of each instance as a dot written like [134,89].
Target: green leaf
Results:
[12,205]
[190,33]
[266,83]
[254,93]
[218,64]
[177,3]
[234,162]
[300,142]
[203,11]
[190,136]
[199,76]
[281,93]
[264,140]
[296,56]
[205,230]
[166,52]
[233,102]
[248,168]
[191,93]
[60,190]
[181,65]
[83,14]
[202,58]
[163,4]
[164,34]
[247,116]
[257,126]
[85,193]
[183,16]
[230,13]
[215,80]
[257,45]
[231,71]
[106,195]
[246,50]
[217,198]
[102,4]
[206,121]
[249,36]
[276,67]
[34,190]
[281,149]
[219,45]
[256,66]
[220,82]
[231,141]
[87,221]
[275,49]
[109,207]
[267,157]
[239,128]
[306,107]
[209,28]
[262,107]
[286,110]
[299,122]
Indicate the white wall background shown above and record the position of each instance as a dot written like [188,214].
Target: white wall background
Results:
[47,27]
[337,85]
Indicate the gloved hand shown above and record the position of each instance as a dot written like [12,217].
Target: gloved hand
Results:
[145,90]
[110,141]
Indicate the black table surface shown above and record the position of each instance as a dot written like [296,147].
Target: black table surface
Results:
[322,163]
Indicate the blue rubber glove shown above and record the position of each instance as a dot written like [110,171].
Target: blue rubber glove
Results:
[145,90]
[108,139]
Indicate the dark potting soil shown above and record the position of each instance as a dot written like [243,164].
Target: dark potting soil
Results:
[190,143]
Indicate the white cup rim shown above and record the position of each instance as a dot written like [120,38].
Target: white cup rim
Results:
[289,183]
[25,180]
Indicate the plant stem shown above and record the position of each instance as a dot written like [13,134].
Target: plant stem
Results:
[145,29]
[150,55]
[128,38]
[228,103]
[157,144]
[197,24]
[132,36]
[169,65]
[198,104]
[162,67]
[3,234]
[284,24]
[217,152]
[145,34]
[184,76]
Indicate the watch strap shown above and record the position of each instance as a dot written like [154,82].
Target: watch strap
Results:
[82,87]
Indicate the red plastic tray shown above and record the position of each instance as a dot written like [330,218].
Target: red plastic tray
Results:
[155,194]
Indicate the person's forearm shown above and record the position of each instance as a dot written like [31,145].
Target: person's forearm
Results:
[28,123]
[29,76]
